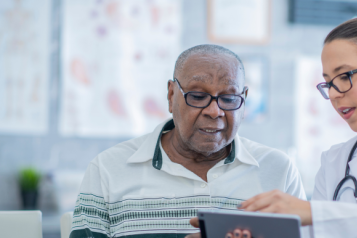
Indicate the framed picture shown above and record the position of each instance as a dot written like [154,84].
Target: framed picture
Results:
[239,22]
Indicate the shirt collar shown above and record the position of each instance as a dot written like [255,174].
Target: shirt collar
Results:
[150,149]
[243,154]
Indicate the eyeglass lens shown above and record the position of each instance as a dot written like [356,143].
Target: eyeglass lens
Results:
[228,102]
[342,82]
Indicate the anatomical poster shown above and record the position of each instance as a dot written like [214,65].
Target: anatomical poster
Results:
[24,66]
[117,57]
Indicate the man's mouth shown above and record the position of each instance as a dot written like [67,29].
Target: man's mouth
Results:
[210,130]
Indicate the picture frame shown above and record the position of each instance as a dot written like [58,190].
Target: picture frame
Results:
[239,22]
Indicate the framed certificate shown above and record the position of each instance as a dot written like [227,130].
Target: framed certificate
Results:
[239,21]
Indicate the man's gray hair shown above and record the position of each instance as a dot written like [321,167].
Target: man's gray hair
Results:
[205,49]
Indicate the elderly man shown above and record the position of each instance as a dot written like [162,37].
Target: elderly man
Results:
[152,185]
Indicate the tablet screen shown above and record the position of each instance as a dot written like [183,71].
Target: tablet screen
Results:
[216,223]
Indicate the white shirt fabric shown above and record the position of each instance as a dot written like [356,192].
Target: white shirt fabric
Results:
[134,188]
[335,218]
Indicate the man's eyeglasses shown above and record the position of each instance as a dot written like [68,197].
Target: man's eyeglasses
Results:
[342,83]
[226,102]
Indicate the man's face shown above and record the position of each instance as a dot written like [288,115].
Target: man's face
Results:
[206,130]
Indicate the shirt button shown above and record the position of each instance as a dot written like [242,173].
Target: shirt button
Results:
[215,176]
[203,185]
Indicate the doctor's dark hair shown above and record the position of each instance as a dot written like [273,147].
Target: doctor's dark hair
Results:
[206,49]
[344,31]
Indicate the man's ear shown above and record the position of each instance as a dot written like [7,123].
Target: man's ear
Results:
[170,93]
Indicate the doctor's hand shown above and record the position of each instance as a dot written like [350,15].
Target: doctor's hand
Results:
[278,202]
[237,233]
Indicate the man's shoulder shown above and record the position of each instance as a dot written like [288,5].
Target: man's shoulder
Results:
[263,153]
[122,151]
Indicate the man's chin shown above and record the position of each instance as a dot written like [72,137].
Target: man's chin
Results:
[208,148]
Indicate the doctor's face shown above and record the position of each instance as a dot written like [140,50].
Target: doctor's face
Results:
[206,130]
[337,57]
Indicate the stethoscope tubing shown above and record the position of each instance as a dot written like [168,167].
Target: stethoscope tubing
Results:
[347,175]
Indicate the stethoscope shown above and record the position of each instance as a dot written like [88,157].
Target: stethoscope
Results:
[347,175]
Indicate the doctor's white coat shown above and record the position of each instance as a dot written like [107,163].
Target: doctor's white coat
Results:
[332,218]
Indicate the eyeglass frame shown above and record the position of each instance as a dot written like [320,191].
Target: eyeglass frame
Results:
[245,91]
[330,84]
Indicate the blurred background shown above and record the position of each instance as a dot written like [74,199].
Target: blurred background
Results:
[79,76]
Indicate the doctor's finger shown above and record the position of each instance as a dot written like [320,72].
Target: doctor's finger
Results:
[270,209]
[254,199]
[267,198]
[260,204]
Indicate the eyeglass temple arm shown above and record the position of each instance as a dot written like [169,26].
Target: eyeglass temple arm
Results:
[245,91]
[183,93]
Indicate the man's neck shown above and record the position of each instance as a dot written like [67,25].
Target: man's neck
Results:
[198,163]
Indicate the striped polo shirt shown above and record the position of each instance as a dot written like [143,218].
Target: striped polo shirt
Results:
[134,190]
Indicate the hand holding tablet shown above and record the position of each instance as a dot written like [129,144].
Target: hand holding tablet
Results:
[276,201]
[217,223]
[262,208]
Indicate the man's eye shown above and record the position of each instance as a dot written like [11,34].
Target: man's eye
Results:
[229,100]
[198,97]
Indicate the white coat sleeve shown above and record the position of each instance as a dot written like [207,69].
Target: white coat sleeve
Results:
[329,218]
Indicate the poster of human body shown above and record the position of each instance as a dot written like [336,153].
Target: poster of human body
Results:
[117,58]
[318,125]
[24,66]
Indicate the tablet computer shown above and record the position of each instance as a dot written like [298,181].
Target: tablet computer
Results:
[216,223]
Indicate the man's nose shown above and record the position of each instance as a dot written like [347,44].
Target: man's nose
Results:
[333,93]
[213,110]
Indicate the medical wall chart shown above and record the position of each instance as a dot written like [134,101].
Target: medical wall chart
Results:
[318,126]
[24,66]
[117,58]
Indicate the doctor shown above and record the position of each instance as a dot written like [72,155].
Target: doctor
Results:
[333,209]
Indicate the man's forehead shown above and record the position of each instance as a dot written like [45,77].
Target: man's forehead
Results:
[209,79]
[205,67]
